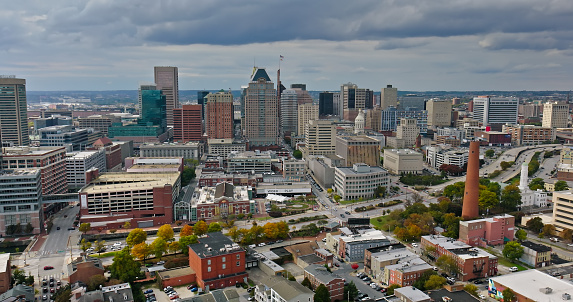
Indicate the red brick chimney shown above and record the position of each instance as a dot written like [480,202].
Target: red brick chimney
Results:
[470,206]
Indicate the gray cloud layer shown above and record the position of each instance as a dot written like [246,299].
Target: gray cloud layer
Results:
[98,36]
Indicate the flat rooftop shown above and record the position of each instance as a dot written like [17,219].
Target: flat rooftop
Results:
[446,242]
[4,258]
[529,283]
[214,244]
[122,181]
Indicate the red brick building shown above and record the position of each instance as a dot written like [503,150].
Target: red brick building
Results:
[317,275]
[219,115]
[406,273]
[187,123]
[5,272]
[488,231]
[472,262]
[217,261]
[113,157]
[83,269]
[212,179]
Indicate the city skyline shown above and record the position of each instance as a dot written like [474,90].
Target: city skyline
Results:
[415,46]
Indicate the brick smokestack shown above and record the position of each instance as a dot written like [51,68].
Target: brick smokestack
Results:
[470,206]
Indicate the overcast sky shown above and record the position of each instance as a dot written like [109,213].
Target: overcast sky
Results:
[412,44]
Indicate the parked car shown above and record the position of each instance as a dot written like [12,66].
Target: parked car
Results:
[262,244]
[71,228]
[48,267]
[148,291]
[342,215]
[513,269]
[478,281]
[347,213]
[160,262]
[414,244]
[58,228]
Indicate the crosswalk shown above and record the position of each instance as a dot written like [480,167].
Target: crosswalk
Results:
[52,252]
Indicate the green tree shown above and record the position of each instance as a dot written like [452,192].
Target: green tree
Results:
[18,277]
[214,227]
[141,251]
[391,288]
[537,183]
[508,295]
[99,246]
[166,233]
[489,153]
[420,283]
[297,154]
[471,289]
[350,291]
[234,234]
[95,281]
[136,236]
[510,198]
[85,227]
[548,230]
[306,283]
[380,191]
[187,175]
[200,228]
[448,264]
[534,224]
[173,247]
[184,243]
[504,165]
[560,185]
[186,230]
[455,192]
[322,294]
[451,224]
[29,228]
[159,247]
[127,225]
[512,250]
[521,235]
[85,245]
[435,282]
[487,199]
[124,267]
[566,234]
[64,294]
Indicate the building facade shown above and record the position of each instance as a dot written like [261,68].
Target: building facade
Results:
[13,111]
[562,212]
[389,97]
[319,138]
[492,110]
[221,200]
[217,261]
[555,115]
[98,122]
[488,231]
[224,147]
[398,161]
[358,149]
[306,112]
[439,155]
[143,199]
[78,163]
[439,113]
[360,181]
[50,160]
[189,150]
[21,208]
[289,109]
[188,123]
[529,135]
[325,103]
[261,122]
[250,162]
[536,255]
[408,131]
[65,136]
[219,115]
[317,275]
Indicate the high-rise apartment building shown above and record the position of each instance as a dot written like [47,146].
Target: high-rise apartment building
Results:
[306,112]
[389,97]
[167,80]
[187,123]
[219,115]
[261,122]
[555,115]
[13,111]
[78,163]
[439,113]
[325,103]
[490,110]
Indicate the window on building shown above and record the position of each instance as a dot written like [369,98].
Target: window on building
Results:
[224,266]
[238,263]
[224,259]
[238,256]
[209,262]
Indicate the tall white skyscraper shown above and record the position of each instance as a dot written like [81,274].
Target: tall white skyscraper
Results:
[13,111]
[555,115]
[490,110]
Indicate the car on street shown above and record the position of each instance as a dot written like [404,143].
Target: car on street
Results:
[44,297]
[148,291]
[513,269]
[58,228]
[71,228]
[347,213]
[45,290]
[160,262]
[414,244]
[262,244]
[482,297]
[48,267]
[478,281]
[366,279]
[342,215]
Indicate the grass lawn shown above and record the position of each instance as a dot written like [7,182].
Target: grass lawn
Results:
[104,255]
[505,262]
[378,224]
[263,218]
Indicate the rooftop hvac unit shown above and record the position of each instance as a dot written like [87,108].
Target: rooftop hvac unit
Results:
[546,290]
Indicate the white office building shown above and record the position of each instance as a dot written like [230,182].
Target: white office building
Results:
[359,181]
[491,110]
[78,163]
[444,155]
